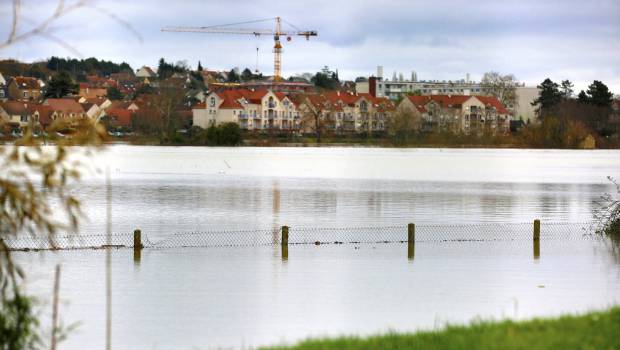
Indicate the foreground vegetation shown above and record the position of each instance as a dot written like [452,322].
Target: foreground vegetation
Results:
[595,330]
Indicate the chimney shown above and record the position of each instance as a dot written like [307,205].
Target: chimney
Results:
[372,86]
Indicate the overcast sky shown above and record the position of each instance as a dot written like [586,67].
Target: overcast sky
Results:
[532,39]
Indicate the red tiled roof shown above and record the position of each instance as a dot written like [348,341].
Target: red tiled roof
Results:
[122,117]
[493,101]
[27,83]
[64,105]
[96,100]
[230,103]
[200,105]
[45,112]
[14,107]
[450,100]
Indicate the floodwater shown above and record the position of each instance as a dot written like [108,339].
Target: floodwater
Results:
[205,298]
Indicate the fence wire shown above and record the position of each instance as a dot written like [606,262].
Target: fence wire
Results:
[308,235]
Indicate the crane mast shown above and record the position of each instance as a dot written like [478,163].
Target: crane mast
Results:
[277,33]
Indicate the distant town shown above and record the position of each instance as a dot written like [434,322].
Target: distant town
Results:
[177,104]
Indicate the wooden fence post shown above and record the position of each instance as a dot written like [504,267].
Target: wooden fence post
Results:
[137,245]
[536,239]
[410,241]
[284,235]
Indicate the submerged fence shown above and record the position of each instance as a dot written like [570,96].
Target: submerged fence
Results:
[284,235]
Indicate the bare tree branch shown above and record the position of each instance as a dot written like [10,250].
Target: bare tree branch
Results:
[61,10]
[16,7]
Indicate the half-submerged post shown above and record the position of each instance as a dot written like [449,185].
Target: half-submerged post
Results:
[137,245]
[284,235]
[410,241]
[284,243]
[536,239]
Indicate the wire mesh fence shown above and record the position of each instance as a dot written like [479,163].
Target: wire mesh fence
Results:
[309,235]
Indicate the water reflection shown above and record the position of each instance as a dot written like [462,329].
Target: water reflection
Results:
[170,205]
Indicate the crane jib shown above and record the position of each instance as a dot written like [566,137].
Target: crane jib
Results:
[228,29]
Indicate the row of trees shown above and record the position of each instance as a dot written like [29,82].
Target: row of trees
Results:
[88,66]
[592,107]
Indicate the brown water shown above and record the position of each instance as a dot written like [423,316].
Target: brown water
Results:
[198,298]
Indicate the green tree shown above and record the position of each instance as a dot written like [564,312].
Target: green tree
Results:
[598,94]
[247,75]
[114,93]
[199,67]
[61,85]
[233,76]
[567,89]
[229,134]
[548,98]
[325,81]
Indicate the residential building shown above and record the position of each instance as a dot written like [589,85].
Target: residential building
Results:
[252,109]
[119,117]
[398,87]
[524,110]
[265,109]
[146,73]
[24,89]
[20,114]
[358,112]
[87,91]
[65,108]
[458,113]
[15,113]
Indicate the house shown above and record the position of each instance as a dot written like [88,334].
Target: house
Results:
[146,73]
[119,117]
[15,113]
[20,114]
[41,114]
[87,91]
[251,109]
[24,88]
[358,112]
[2,80]
[64,108]
[458,113]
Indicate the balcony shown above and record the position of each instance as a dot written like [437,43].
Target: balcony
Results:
[243,116]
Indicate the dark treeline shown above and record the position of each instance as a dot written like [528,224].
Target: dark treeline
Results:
[78,68]
[82,67]
[565,120]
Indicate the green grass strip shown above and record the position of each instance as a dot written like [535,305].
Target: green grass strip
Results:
[594,330]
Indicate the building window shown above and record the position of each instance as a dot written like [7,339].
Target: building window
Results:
[23,118]
[25,94]
[212,102]
[363,106]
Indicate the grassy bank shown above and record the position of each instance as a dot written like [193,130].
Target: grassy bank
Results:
[595,330]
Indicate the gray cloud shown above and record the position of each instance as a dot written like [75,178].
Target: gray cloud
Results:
[440,40]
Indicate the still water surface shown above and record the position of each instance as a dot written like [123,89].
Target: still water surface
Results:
[243,297]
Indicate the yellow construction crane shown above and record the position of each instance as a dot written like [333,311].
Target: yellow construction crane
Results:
[277,33]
